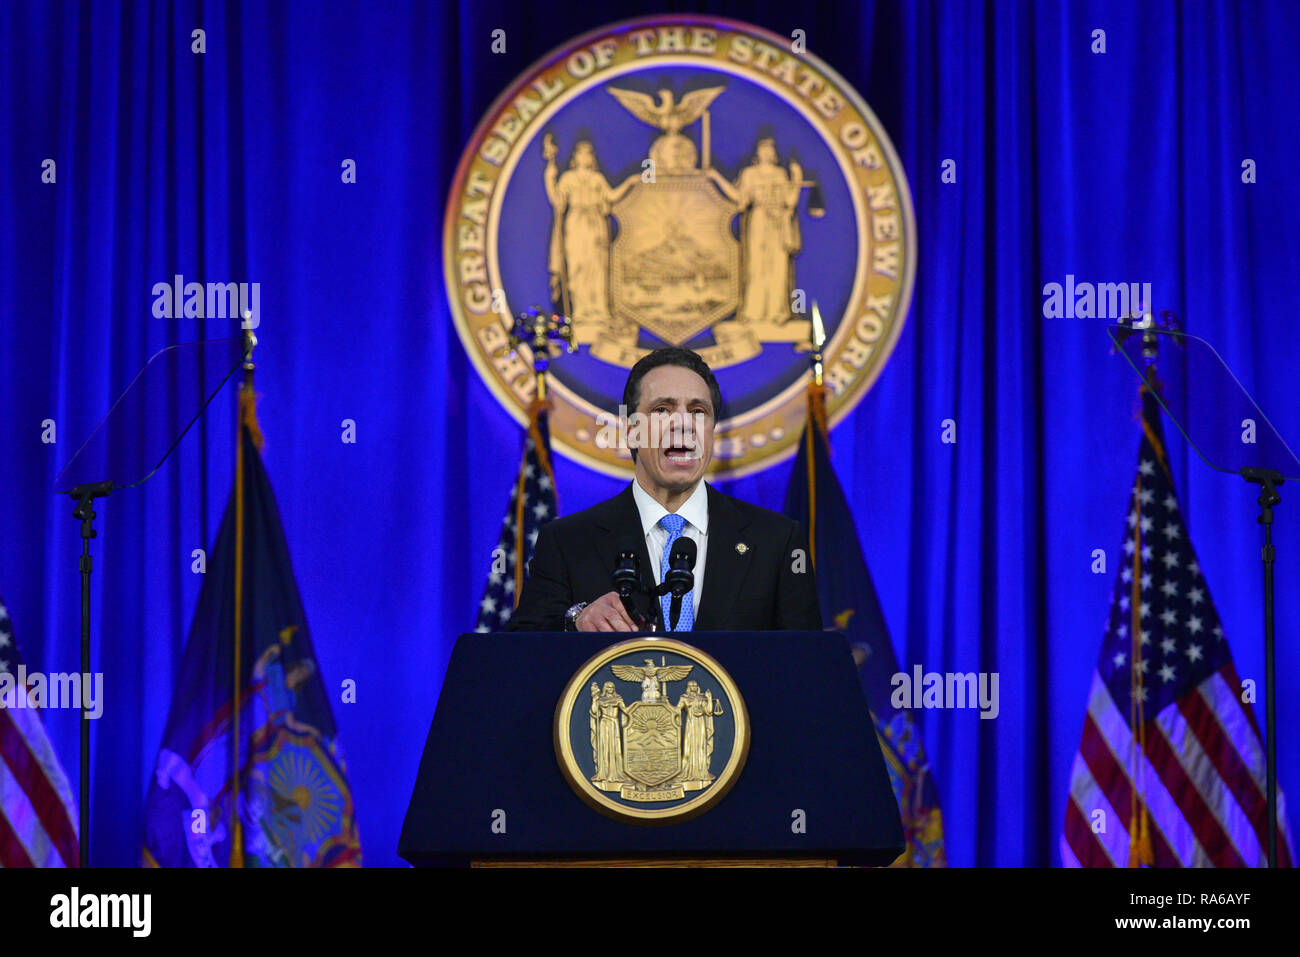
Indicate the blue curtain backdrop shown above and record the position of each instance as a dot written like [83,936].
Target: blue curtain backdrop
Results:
[1122,165]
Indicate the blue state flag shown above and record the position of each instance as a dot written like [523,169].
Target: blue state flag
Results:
[850,606]
[289,804]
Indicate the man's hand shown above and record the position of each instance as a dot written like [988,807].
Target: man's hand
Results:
[606,613]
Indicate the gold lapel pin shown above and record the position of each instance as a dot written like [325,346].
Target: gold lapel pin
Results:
[742,548]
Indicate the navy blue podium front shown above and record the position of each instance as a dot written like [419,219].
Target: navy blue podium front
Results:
[490,787]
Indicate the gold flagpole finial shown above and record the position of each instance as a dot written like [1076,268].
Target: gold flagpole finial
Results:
[247,398]
[250,343]
[818,343]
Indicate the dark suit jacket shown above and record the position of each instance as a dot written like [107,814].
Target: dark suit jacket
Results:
[751,589]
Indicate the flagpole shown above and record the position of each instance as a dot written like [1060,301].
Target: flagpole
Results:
[1140,850]
[245,400]
[816,420]
[538,330]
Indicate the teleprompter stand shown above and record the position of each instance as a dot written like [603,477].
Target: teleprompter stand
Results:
[1210,407]
[128,446]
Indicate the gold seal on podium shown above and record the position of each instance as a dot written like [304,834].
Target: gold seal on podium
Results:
[651,731]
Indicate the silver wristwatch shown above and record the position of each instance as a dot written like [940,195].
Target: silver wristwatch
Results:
[571,616]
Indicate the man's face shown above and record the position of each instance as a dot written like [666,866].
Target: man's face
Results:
[679,423]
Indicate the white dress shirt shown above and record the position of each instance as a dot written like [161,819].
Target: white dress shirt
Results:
[696,512]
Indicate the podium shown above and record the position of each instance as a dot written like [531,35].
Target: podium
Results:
[813,789]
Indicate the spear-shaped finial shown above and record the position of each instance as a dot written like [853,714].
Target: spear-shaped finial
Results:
[818,342]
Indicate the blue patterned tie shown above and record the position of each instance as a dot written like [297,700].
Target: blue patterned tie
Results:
[686,621]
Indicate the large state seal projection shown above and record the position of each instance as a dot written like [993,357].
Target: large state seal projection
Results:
[681,181]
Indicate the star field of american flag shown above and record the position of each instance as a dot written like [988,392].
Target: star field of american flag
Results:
[1181,637]
[38,817]
[1194,757]
[518,539]
[9,660]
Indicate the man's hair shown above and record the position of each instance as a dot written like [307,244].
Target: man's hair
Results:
[671,356]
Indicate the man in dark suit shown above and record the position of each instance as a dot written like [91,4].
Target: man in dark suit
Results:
[752,572]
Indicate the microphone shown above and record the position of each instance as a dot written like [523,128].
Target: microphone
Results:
[626,580]
[627,571]
[680,578]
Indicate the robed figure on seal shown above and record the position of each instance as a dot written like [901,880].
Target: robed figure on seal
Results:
[768,199]
[578,259]
[697,736]
[607,717]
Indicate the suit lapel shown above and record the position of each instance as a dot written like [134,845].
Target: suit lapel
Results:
[725,567]
[622,521]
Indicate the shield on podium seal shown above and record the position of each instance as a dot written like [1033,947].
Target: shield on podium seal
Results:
[652,743]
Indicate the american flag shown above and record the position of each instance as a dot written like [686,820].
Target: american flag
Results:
[532,504]
[38,816]
[1170,769]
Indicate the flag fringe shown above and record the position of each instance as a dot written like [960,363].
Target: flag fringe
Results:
[248,416]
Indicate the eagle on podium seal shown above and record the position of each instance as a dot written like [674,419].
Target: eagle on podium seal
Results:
[682,181]
[651,731]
